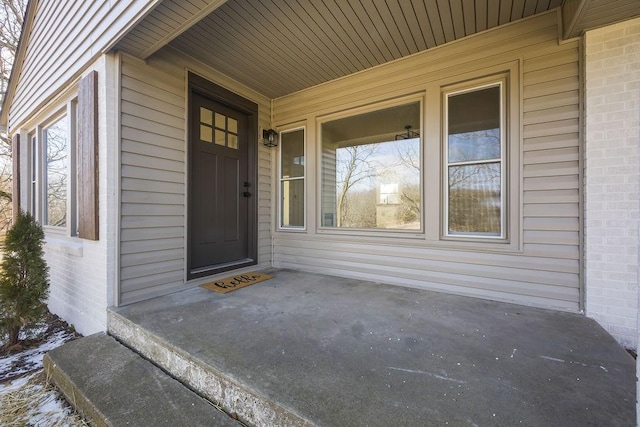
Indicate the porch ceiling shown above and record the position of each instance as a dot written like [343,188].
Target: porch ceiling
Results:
[277,47]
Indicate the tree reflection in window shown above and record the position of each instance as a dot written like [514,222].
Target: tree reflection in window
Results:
[56,147]
[370,178]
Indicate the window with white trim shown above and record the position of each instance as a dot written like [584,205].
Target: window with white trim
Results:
[292,179]
[474,156]
[52,198]
[371,170]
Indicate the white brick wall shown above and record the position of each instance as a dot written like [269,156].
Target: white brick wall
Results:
[612,178]
[82,272]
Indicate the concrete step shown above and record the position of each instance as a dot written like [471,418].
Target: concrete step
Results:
[250,405]
[111,385]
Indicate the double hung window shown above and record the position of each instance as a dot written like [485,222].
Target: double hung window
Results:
[475,169]
[292,179]
[52,198]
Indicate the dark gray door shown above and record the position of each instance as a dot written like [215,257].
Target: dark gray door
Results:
[220,190]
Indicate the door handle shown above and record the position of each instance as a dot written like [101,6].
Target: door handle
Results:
[246,194]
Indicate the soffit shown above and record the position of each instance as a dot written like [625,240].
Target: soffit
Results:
[277,47]
[583,15]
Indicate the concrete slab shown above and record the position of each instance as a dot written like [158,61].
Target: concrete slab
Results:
[112,386]
[337,352]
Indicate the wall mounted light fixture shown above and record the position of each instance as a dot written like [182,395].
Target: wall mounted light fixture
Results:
[270,138]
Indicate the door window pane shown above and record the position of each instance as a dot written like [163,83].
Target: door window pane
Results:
[56,143]
[206,116]
[233,125]
[220,121]
[474,157]
[371,170]
[206,133]
[206,124]
[220,137]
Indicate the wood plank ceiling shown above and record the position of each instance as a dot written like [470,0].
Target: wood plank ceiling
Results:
[282,46]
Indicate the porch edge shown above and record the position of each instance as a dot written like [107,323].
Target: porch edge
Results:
[232,396]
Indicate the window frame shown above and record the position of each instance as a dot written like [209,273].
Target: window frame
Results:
[418,233]
[38,204]
[501,82]
[280,180]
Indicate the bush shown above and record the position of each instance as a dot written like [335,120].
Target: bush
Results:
[24,283]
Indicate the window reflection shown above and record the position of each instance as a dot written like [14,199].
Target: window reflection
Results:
[57,148]
[474,155]
[370,172]
[292,178]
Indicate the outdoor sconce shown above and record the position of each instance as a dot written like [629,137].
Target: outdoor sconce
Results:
[270,138]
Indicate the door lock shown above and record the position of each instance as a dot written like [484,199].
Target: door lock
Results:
[246,194]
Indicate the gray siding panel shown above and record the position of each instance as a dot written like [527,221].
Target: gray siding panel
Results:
[152,181]
[66,35]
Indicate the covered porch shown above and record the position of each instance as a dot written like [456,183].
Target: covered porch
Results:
[311,349]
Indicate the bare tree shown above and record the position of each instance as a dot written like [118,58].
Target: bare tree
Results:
[11,19]
[353,167]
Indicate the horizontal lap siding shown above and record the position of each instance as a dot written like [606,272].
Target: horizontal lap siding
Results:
[547,270]
[153,174]
[66,35]
[152,183]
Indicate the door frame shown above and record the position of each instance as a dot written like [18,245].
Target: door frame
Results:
[202,86]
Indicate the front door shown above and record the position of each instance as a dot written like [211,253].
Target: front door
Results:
[221,187]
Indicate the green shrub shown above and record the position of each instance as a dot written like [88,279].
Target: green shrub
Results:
[24,283]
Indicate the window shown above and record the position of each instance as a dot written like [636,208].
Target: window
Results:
[52,198]
[371,170]
[33,174]
[475,167]
[292,179]
[55,142]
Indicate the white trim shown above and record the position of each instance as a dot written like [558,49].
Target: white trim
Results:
[118,177]
[504,207]
[418,97]
[280,180]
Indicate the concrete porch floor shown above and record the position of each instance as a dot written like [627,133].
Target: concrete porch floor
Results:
[340,352]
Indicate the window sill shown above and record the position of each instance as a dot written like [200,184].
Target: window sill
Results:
[64,245]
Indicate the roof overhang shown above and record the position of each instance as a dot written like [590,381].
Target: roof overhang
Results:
[277,48]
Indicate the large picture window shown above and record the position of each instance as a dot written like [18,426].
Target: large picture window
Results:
[474,176]
[371,170]
[292,177]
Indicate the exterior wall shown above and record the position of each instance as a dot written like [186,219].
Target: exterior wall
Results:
[66,35]
[82,273]
[612,178]
[543,266]
[154,180]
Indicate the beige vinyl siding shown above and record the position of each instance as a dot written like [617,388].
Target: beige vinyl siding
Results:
[66,35]
[153,174]
[543,269]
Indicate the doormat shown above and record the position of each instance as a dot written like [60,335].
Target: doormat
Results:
[236,282]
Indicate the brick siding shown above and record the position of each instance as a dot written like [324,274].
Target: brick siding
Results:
[612,166]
